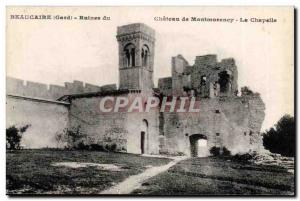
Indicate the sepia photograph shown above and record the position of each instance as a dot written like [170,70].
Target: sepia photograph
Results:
[150,101]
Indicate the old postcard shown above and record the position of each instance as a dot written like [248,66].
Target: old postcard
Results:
[150,101]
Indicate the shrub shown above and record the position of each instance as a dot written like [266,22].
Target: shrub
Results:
[74,134]
[246,91]
[226,152]
[14,136]
[59,138]
[111,147]
[179,153]
[71,137]
[97,147]
[244,158]
[107,147]
[82,146]
[215,151]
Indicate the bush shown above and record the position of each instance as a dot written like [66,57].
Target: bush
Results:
[74,134]
[71,138]
[179,153]
[246,91]
[226,152]
[82,146]
[97,147]
[112,147]
[215,151]
[244,158]
[14,136]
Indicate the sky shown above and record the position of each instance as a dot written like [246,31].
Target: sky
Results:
[58,51]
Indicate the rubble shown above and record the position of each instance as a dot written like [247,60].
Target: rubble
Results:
[268,158]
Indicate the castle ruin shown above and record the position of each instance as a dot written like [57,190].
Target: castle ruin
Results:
[226,118]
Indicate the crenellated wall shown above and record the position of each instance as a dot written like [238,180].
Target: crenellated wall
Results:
[19,87]
[34,104]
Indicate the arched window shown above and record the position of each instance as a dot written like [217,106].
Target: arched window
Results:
[129,55]
[127,58]
[145,55]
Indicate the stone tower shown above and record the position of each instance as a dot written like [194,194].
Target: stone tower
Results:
[136,56]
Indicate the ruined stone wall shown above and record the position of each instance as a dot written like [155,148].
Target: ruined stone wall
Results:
[120,128]
[52,92]
[46,120]
[203,78]
[179,65]
[256,118]
[165,86]
[231,122]
[209,68]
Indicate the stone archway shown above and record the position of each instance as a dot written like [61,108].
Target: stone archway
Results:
[198,145]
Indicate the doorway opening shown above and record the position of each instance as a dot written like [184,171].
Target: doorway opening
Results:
[142,142]
[198,145]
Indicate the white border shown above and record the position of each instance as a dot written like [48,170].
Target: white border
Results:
[4,3]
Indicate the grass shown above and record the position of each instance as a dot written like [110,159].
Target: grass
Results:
[216,176]
[31,172]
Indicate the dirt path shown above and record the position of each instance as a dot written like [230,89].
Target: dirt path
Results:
[135,181]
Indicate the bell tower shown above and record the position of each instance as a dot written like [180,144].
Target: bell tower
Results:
[136,56]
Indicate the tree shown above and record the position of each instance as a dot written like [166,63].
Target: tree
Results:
[281,138]
[14,136]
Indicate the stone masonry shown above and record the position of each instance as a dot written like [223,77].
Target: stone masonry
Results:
[227,119]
